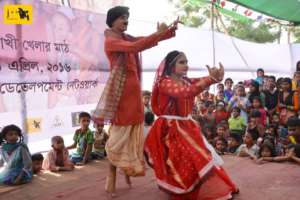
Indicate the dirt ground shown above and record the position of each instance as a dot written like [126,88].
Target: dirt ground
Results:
[271,181]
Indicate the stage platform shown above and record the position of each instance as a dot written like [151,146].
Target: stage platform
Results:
[271,181]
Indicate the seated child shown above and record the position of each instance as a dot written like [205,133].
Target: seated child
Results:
[260,74]
[220,131]
[199,111]
[296,81]
[100,137]
[283,135]
[209,133]
[201,107]
[257,105]
[272,133]
[225,124]
[37,162]
[255,123]
[220,146]
[236,122]
[146,101]
[275,118]
[220,96]
[83,140]
[57,159]
[249,148]
[15,159]
[267,150]
[271,130]
[220,113]
[234,141]
[209,117]
[293,125]
[292,154]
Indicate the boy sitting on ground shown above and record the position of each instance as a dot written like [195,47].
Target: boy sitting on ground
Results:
[83,140]
[37,162]
[57,159]
[101,137]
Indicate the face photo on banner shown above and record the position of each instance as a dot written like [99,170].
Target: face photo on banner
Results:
[57,121]
[75,119]
[60,31]
[87,45]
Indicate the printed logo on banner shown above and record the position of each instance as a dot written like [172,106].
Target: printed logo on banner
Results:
[17,14]
[57,122]
[75,119]
[34,125]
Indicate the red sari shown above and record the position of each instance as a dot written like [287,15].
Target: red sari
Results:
[184,163]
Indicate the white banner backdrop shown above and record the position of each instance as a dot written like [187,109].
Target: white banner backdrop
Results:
[54,111]
[198,46]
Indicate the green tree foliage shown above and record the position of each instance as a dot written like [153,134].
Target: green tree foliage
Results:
[296,33]
[250,31]
[195,13]
[191,12]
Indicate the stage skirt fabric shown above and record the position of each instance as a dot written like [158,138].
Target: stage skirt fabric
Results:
[185,164]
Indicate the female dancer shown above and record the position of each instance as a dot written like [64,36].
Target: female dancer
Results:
[185,164]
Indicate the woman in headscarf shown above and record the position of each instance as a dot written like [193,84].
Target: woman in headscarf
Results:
[185,164]
[254,92]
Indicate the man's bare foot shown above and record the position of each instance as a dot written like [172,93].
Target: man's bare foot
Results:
[111,195]
[128,181]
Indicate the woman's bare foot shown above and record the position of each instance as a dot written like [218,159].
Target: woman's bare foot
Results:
[237,191]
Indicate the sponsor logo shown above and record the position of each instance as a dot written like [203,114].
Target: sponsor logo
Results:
[17,14]
[57,122]
[34,125]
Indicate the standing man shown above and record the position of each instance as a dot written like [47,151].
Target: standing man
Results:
[121,100]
